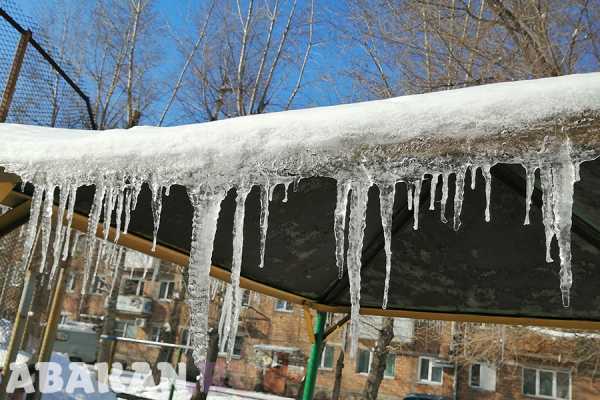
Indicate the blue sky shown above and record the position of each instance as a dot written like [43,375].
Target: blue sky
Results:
[326,58]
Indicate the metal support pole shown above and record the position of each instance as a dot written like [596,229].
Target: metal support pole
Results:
[18,328]
[312,366]
[11,82]
[53,318]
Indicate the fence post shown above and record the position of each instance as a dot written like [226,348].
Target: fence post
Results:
[11,82]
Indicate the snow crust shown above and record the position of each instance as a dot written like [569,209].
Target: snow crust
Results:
[406,139]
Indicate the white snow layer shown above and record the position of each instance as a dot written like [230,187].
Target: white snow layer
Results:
[406,139]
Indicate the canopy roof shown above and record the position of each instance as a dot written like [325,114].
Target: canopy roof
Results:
[493,271]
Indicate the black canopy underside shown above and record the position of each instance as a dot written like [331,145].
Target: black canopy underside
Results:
[492,268]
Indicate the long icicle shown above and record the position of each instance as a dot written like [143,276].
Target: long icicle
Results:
[32,226]
[357,223]
[444,199]
[70,211]
[459,191]
[92,228]
[488,190]
[156,210]
[387,192]
[417,203]
[530,183]
[409,195]
[432,189]
[236,265]
[58,231]
[264,219]
[46,222]
[118,213]
[547,212]
[204,226]
[339,224]
[473,170]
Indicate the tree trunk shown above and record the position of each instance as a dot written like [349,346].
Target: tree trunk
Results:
[337,383]
[380,354]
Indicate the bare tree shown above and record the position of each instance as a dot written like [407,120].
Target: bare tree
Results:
[246,58]
[378,364]
[414,46]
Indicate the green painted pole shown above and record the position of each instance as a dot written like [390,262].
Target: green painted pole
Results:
[313,361]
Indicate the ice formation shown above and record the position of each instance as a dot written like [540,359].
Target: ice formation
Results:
[436,137]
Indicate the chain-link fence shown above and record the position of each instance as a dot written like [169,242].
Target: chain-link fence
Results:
[38,83]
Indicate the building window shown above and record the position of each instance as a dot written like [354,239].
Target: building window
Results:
[133,287]
[70,284]
[428,373]
[546,383]
[237,346]
[390,366]
[166,290]
[245,298]
[283,305]
[327,357]
[126,329]
[363,361]
[482,376]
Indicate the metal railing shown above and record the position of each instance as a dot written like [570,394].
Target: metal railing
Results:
[37,88]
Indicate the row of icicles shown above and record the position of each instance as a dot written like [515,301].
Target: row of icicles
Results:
[556,183]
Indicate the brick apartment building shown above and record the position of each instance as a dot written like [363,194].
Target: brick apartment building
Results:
[459,361]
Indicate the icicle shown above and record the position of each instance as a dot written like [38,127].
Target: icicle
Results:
[94,218]
[547,212]
[264,220]
[339,223]
[156,210]
[576,166]
[445,178]
[286,186]
[559,180]
[46,223]
[530,183]
[109,205]
[272,189]
[32,228]
[417,203]
[432,189]
[204,226]
[488,189]
[409,194]
[127,206]
[58,231]
[473,170]
[236,265]
[459,190]
[118,214]
[387,192]
[357,222]
[168,190]
[70,210]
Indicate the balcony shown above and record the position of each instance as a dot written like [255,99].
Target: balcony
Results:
[135,305]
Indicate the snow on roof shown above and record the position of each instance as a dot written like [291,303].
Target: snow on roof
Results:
[228,145]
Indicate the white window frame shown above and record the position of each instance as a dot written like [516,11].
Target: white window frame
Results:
[170,285]
[321,364]
[233,353]
[370,362]
[139,288]
[285,306]
[428,381]
[471,376]
[188,339]
[537,383]
[385,376]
